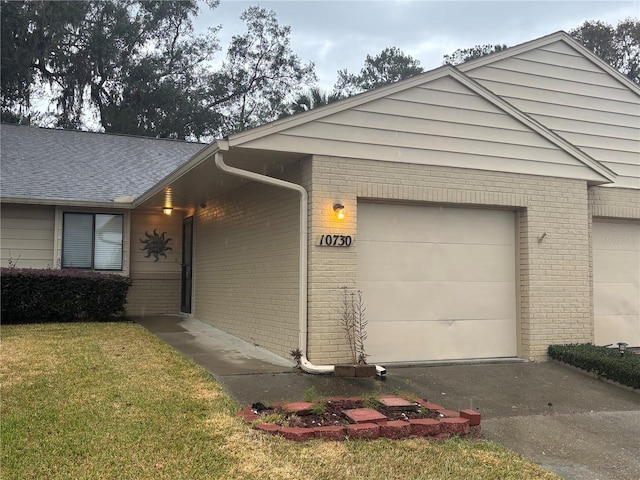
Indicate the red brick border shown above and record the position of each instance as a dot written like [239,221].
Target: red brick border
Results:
[465,422]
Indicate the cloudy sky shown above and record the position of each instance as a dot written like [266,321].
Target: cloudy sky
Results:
[339,34]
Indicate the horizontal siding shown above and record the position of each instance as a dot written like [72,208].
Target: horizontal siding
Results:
[586,100]
[575,98]
[604,143]
[443,114]
[423,157]
[438,128]
[438,123]
[449,143]
[541,68]
[491,73]
[27,235]
[565,111]
[560,125]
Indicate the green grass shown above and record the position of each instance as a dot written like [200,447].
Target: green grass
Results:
[111,401]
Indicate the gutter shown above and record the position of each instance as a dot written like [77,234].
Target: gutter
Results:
[303,333]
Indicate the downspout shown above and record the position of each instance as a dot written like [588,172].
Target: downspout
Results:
[306,365]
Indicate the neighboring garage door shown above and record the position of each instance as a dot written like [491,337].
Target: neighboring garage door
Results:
[438,282]
[616,282]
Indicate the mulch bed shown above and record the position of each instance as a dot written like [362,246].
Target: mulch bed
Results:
[357,418]
[333,413]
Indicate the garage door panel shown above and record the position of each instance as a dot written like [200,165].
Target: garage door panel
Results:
[616,236]
[396,223]
[616,299]
[616,281]
[476,263]
[618,328]
[430,262]
[440,340]
[430,301]
[388,262]
[401,223]
[614,266]
[475,227]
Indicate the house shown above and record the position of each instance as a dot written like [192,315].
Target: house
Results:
[486,210]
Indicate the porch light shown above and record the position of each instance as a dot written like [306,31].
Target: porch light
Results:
[622,346]
[338,208]
[167,210]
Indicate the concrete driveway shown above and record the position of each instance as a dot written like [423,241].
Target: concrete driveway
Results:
[577,426]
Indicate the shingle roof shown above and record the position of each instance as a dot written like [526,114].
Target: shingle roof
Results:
[62,165]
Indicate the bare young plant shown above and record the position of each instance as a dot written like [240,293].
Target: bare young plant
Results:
[354,324]
[360,327]
[348,321]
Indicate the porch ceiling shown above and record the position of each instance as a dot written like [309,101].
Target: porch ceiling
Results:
[205,181]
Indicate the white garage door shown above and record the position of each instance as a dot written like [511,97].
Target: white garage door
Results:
[438,282]
[616,282]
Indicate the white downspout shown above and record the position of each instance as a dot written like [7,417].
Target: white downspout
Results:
[306,365]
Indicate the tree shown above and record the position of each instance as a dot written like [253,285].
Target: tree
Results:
[136,65]
[465,54]
[389,66]
[259,75]
[314,98]
[122,58]
[619,46]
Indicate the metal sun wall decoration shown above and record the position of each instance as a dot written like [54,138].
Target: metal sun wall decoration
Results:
[155,245]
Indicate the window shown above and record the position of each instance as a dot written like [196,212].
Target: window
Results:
[92,241]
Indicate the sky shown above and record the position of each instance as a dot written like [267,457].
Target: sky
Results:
[337,35]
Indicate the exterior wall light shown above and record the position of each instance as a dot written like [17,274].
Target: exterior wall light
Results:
[167,210]
[338,208]
[622,346]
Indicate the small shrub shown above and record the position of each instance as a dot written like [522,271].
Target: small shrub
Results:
[370,401]
[33,295]
[319,409]
[310,395]
[602,361]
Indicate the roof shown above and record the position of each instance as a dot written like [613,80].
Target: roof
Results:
[62,166]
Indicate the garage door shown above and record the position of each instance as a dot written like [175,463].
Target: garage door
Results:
[616,282]
[438,282]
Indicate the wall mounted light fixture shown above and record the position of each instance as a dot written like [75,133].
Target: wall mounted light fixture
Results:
[167,210]
[338,208]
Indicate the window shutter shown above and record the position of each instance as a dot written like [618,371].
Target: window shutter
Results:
[108,242]
[77,240]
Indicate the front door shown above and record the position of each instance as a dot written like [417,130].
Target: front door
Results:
[187,258]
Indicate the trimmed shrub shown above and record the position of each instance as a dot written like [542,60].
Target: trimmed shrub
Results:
[602,361]
[36,296]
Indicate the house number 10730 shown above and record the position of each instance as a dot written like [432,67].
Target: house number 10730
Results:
[335,240]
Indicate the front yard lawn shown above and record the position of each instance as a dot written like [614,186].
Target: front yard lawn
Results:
[111,401]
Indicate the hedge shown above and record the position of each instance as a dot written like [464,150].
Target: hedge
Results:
[36,296]
[602,361]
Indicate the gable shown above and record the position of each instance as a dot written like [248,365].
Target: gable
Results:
[438,121]
[576,97]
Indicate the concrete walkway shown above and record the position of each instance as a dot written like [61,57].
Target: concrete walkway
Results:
[577,426]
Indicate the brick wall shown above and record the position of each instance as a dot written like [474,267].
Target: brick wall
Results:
[246,262]
[554,283]
[153,293]
[614,202]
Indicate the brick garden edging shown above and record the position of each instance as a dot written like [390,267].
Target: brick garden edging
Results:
[371,424]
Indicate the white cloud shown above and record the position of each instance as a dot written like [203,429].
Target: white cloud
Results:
[339,34]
